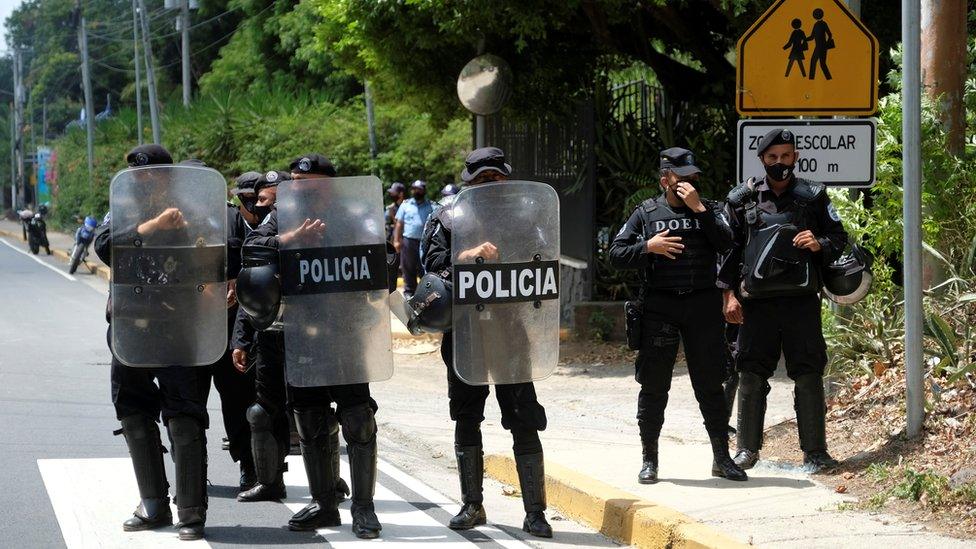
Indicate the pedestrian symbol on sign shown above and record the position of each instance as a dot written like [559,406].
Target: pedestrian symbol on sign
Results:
[822,39]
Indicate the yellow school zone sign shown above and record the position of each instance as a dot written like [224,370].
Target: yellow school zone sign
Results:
[807,57]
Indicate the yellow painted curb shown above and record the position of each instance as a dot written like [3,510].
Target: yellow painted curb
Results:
[619,515]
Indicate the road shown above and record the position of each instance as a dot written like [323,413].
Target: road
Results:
[67,481]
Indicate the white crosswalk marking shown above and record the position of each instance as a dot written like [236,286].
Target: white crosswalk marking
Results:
[91,497]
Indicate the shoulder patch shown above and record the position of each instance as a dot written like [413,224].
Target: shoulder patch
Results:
[832,212]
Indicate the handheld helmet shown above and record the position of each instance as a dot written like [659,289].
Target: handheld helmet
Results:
[849,279]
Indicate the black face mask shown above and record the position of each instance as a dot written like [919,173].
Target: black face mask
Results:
[249,204]
[419,196]
[779,171]
[261,211]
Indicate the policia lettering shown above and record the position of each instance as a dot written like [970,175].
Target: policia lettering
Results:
[506,282]
[333,270]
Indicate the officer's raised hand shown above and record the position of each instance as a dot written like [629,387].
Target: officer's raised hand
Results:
[689,195]
[662,244]
[170,219]
[307,231]
[486,251]
[805,240]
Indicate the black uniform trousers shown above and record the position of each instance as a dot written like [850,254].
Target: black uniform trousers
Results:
[276,396]
[521,412]
[790,325]
[167,391]
[237,394]
[694,317]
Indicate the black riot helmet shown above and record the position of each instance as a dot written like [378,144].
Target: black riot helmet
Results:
[258,286]
[848,279]
[430,306]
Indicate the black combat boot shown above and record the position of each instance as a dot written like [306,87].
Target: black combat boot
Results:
[753,389]
[341,488]
[359,430]
[648,472]
[811,411]
[316,453]
[142,438]
[532,480]
[471,471]
[269,458]
[190,457]
[722,464]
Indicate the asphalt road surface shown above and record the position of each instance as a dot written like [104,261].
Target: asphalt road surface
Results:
[66,480]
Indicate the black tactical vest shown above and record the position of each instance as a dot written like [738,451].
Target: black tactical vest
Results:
[695,267]
[771,265]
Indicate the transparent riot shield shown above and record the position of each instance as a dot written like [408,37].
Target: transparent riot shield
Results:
[505,253]
[169,274]
[334,282]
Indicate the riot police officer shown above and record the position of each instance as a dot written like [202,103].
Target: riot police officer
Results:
[521,412]
[141,394]
[675,239]
[236,388]
[785,230]
[311,406]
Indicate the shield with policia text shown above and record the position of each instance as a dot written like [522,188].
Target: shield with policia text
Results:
[335,290]
[505,254]
[169,266]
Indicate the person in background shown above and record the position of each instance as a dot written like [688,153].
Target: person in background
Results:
[410,220]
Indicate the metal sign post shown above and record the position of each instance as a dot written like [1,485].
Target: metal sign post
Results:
[912,210]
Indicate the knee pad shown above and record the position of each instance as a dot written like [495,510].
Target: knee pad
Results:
[259,418]
[184,430]
[312,423]
[358,424]
[751,383]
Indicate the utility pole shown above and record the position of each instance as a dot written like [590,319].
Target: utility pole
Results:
[89,102]
[13,159]
[371,124]
[912,211]
[44,122]
[136,63]
[150,75]
[18,127]
[185,33]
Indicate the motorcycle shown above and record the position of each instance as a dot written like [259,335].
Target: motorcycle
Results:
[37,231]
[83,239]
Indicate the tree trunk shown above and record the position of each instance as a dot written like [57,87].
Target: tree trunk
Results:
[944,64]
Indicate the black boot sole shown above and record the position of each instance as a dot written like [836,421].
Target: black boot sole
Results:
[329,522]
[366,533]
[191,536]
[720,474]
[481,521]
[647,480]
[527,530]
[148,526]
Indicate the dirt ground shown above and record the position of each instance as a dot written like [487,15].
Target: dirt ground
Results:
[866,431]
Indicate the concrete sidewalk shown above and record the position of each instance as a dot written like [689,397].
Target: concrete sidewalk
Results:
[592,430]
